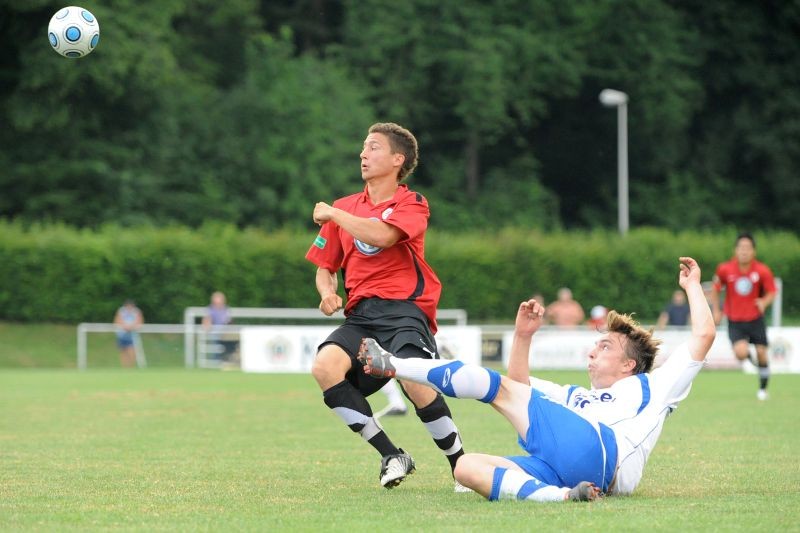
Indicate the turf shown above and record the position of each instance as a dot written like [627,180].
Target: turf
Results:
[171,449]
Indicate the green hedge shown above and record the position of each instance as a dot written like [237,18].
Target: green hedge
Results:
[56,273]
[489,274]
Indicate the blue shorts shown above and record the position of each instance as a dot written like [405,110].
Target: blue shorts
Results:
[124,339]
[565,448]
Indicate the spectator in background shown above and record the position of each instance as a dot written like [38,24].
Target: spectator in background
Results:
[597,317]
[749,290]
[128,320]
[676,313]
[218,315]
[565,311]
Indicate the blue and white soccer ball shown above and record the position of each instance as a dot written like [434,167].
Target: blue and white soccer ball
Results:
[73,32]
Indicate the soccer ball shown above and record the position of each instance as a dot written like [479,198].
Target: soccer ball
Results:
[73,32]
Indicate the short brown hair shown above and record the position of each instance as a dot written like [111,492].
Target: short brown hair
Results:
[641,346]
[401,141]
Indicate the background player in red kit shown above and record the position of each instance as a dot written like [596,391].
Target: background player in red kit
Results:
[749,290]
[377,239]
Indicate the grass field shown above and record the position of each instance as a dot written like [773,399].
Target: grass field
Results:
[171,449]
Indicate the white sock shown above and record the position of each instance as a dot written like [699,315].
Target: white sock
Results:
[393,394]
[452,378]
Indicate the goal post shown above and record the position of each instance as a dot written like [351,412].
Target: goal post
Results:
[85,328]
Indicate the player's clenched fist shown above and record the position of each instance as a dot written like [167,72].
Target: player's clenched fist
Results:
[322,213]
[330,304]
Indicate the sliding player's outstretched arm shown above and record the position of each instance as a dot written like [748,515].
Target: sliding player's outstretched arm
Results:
[528,321]
[702,320]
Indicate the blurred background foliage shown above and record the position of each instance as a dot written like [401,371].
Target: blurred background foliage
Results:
[58,273]
[247,112]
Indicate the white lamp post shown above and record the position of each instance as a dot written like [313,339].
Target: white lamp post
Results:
[618,99]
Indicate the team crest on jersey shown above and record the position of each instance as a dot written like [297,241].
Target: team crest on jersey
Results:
[386,212]
[743,286]
[367,249]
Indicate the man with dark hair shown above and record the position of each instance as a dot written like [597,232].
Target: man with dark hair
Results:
[579,442]
[676,313]
[749,290]
[377,239]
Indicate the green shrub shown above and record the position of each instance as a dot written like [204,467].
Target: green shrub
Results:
[59,274]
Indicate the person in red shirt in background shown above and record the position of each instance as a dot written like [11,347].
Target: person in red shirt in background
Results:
[376,237]
[749,290]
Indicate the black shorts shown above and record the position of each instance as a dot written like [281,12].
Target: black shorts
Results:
[754,331]
[399,326]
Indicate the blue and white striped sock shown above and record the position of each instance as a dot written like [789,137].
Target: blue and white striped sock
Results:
[516,485]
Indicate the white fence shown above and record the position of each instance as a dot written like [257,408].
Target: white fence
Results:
[195,335]
[554,348]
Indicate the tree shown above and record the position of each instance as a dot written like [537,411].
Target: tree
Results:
[470,77]
[292,134]
[747,138]
[245,111]
[646,49]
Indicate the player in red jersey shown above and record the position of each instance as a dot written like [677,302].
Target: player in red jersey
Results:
[749,290]
[377,239]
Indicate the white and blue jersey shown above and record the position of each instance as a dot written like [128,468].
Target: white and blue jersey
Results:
[615,431]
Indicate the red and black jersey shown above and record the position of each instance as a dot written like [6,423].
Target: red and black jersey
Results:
[743,287]
[395,273]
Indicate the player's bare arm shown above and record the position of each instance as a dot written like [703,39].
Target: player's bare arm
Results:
[366,230]
[529,318]
[327,283]
[765,301]
[717,312]
[702,321]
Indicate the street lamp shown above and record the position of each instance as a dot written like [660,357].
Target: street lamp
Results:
[618,99]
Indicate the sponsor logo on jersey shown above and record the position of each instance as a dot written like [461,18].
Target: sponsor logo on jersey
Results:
[367,249]
[320,242]
[582,399]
